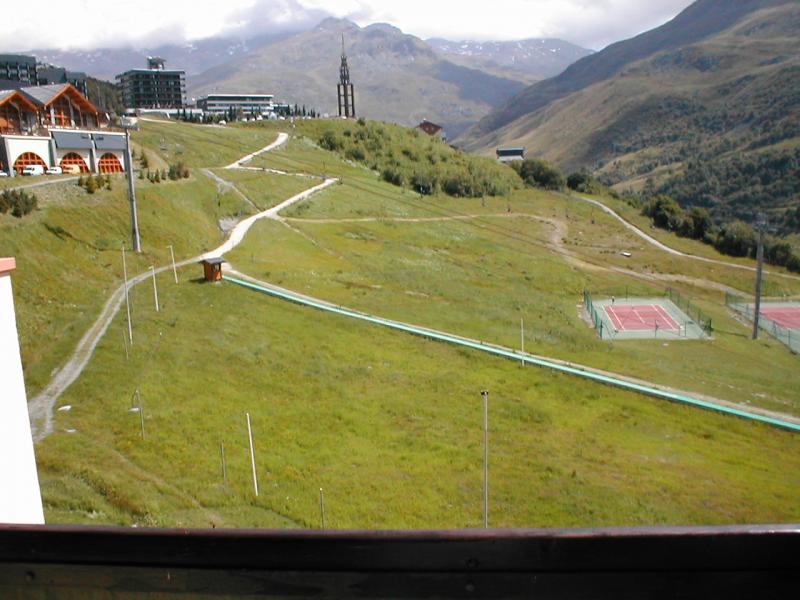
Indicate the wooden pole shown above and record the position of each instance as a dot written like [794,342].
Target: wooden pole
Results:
[125,343]
[174,270]
[155,289]
[127,299]
[252,454]
[322,507]
[141,417]
[224,466]
[485,394]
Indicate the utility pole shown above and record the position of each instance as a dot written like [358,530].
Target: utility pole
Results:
[485,394]
[127,298]
[135,241]
[761,224]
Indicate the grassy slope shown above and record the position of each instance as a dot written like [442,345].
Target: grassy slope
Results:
[382,421]
[388,424]
[68,251]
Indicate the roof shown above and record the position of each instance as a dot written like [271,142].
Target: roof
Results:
[17,58]
[152,72]
[8,95]
[47,94]
[73,140]
[519,150]
[107,141]
[214,260]
[426,123]
[238,96]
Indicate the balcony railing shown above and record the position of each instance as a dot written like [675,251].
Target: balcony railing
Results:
[759,561]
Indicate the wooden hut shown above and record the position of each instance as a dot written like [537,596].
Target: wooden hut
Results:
[212,268]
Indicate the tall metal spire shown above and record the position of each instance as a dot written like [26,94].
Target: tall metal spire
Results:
[347,101]
[344,70]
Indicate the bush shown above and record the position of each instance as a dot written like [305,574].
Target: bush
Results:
[665,212]
[736,239]
[424,182]
[539,173]
[330,141]
[355,153]
[19,202]
[392,175]
[579,181]
[91,185]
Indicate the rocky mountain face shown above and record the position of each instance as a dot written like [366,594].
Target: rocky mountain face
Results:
[706,108]
[531,59]
[194,57]
[397,77]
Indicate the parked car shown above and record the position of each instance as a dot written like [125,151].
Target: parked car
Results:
[71,169]
[54,171]
[33,170]
[3,174]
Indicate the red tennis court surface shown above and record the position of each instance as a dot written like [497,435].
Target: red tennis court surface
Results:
[638,317]
[785,316]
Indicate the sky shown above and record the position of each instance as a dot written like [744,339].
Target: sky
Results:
[89,24]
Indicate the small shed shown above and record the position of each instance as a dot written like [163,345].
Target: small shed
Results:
[212,268]
[510,154]
[432,129]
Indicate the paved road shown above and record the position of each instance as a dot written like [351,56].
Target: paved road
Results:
[27,186]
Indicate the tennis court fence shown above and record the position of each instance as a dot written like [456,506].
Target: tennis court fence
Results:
[790,337]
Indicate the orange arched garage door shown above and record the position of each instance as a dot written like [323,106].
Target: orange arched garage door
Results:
[28,158]
[110,164]
[74,159]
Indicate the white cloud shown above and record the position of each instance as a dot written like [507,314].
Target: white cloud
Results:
[99,23]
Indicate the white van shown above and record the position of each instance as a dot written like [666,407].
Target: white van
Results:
[33,170]
[54,171]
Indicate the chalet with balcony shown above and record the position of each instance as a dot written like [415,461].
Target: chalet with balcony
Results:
[55,125]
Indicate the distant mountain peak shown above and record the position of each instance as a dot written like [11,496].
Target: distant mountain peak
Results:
[335,24]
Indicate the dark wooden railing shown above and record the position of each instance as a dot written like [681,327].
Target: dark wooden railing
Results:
[693,562]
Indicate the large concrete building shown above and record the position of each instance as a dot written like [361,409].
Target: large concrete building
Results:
[55,125]
[153,87]
[50,75]
[241,104]
[18,68]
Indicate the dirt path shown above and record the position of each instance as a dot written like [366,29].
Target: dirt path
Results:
[40,408]
[661,246]
[280,141]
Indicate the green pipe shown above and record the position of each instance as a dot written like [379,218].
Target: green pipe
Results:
[540,362]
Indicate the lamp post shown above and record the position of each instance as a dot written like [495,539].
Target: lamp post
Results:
[485,394]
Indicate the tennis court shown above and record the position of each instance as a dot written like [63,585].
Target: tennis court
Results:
[641,319]
[785,316]
[780,318]
[638,317]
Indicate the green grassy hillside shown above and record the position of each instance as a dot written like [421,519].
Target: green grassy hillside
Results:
[387,424]
[704,108]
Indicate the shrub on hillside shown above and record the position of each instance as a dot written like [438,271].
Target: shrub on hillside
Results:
[736,239]
[19,202]
[404,157]
[537,172]
[665,212]
[91,185]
